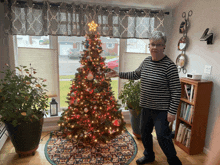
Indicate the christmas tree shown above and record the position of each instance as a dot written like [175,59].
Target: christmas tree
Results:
[93,113]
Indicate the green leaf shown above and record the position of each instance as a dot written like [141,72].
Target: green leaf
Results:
[36,117]
[14,123]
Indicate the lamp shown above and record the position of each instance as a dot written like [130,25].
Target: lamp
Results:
[53,108]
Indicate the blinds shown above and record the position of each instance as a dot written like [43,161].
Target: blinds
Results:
[45,61]
[130,62]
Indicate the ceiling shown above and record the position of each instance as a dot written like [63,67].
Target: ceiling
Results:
[151,4]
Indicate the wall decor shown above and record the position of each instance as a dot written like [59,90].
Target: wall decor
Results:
[181,62]
[181,59]
[207,37]
[182,43]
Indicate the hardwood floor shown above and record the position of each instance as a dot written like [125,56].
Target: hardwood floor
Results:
[8,155]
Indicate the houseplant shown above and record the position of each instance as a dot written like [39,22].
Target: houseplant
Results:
[23,103]
[130,96]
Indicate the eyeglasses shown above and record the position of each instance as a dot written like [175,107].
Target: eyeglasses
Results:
[157,45]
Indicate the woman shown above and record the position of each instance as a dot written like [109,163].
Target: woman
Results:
[160,96]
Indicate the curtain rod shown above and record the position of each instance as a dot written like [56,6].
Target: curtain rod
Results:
[58,4]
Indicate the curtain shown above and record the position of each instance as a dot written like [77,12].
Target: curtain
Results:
[63,19]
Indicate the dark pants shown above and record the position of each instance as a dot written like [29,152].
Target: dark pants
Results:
[157,118]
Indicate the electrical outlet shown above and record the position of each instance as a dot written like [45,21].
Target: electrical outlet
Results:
[208,69]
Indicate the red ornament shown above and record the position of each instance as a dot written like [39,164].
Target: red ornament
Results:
[116,123]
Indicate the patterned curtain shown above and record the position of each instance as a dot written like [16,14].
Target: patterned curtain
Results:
[63,19]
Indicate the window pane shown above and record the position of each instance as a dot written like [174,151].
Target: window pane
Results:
[33,41]
[138,45]
[70,49]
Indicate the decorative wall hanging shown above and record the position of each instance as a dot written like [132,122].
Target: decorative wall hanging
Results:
[181,59]
[207,37]
[181,62]
[182,43]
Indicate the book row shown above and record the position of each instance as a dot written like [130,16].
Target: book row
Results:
[183,135]
[187,111]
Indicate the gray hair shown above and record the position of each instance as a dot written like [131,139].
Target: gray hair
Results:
[158,35]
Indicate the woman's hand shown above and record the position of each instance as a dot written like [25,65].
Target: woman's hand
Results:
[170,117]
[112,73]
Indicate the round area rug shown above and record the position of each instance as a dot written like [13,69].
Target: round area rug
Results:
[119,151]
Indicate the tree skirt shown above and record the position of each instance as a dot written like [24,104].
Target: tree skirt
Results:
[119,151]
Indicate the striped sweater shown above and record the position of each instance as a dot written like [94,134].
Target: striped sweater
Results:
[160,84]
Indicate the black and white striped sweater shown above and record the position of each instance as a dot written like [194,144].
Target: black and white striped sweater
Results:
[160,84]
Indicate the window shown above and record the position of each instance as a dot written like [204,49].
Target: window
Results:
[38,51]
[70,50]
[136,50]
[138,45]
[35,50]
[33,41]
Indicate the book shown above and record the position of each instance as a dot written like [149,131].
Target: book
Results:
[178,133]
[184,136]
[187,95]
[191,93]
[187,112]
[182,133]
[188,138]
[191,114]
[182,109]
[191,121]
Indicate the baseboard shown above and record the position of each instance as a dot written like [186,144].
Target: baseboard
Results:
[206,150]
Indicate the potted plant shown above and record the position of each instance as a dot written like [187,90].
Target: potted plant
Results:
[130,96]
[23,103]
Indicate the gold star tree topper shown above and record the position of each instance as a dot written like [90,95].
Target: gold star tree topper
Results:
[92,26]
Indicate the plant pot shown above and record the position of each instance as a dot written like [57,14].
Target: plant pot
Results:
[25,136]
[135,123]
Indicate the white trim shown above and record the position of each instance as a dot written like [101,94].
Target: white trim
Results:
[206,150]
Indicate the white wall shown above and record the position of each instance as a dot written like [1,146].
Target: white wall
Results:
[205,15]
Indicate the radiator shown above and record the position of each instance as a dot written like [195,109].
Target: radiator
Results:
[3,134]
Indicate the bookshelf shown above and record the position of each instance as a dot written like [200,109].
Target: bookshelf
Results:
[192,115]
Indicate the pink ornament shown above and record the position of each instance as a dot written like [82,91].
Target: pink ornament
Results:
[90,76]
